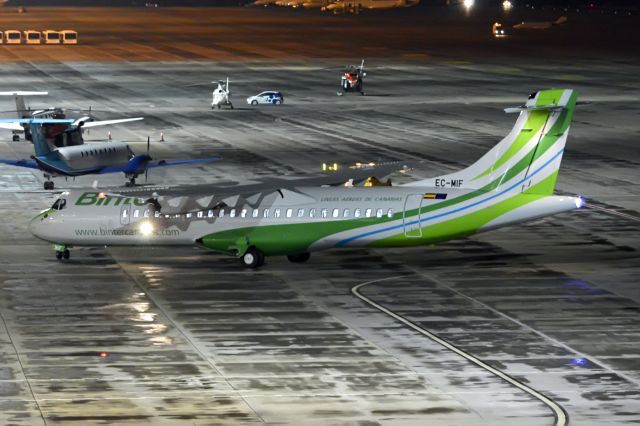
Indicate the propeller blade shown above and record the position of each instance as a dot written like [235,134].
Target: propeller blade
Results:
[146,169]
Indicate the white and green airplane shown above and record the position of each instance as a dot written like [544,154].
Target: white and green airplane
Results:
[512,183]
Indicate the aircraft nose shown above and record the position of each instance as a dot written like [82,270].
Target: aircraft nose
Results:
[38,225]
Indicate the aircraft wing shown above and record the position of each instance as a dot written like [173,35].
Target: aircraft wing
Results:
[273,184]
[23,93]
[11,126]
[37,120]
[89,124]
[164,163]
[20,163]
[137,165]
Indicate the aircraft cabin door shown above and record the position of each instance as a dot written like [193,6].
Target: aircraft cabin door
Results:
[411,221]
[125,214]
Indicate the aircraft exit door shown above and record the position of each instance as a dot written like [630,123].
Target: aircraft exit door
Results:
[412,225]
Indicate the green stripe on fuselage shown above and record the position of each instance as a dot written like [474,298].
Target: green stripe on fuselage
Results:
[462,226]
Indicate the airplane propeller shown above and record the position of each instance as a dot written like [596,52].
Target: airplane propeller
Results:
[146,169]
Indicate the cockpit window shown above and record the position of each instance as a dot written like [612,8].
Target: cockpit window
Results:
[60,204]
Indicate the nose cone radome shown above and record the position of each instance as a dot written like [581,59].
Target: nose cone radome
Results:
[38,226]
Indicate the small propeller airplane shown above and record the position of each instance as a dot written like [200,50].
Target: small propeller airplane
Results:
[512,183]
[24,112]
[61,151]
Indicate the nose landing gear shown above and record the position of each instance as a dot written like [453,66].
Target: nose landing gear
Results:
[62,252]
[253,258]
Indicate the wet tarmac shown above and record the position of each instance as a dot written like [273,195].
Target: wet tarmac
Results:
[183,336]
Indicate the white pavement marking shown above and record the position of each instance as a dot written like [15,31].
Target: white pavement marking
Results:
[612,212]
[561,417]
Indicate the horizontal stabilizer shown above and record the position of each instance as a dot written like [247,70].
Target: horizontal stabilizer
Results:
[550,107]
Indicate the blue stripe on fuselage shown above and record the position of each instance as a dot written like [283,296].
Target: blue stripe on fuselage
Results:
[391,228]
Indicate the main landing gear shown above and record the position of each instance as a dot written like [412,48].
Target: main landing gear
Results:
[48,185]
[254,258]
[62,252]
[130,182]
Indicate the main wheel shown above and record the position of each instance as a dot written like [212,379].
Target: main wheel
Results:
[59,255]
[16,138]
[278,102]
[48,185]
[66,254]
[254,102]
[298,258]
[253,258]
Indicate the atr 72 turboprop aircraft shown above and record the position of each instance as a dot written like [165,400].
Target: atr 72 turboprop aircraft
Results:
[512,183]
[61,151]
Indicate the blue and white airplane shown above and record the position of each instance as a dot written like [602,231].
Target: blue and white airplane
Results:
[61,151]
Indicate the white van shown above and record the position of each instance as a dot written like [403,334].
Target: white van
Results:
[32,37]
[12,37]
[51,37]
[69,37]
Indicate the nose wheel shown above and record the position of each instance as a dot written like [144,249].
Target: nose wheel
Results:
[62,252]
[253,258]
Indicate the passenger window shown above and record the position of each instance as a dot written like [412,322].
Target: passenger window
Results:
[136,213]
[255,213]
[345,213]
[146,213]
[324,213]
[367,213]
[156,214]
[200,214]
[356,213]
[379,213]
[265,213]
[232,213]
[189,215]
[390,213]
[210,213]
[336,213]
[300,212]
[289,213]
[125,213]
[243,213]
[312,213]
[276,213]
[55,205]
[221,213]
[63,204]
